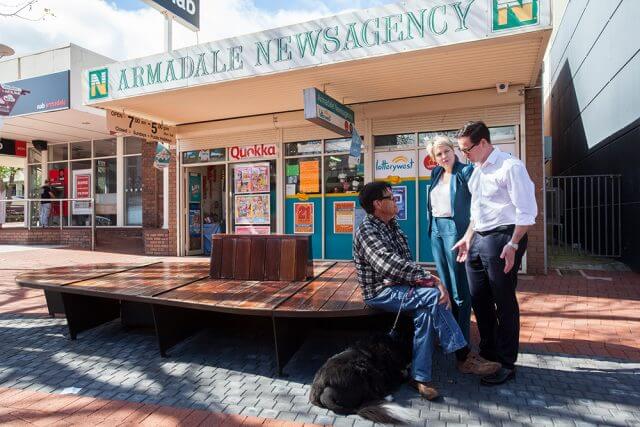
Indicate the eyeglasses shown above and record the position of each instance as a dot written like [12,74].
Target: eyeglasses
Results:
[389,197]
[467,150]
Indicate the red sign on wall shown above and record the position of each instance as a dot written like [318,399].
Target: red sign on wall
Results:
[83,184]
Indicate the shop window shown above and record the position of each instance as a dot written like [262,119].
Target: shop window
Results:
[502,134]
[35,181]
[204,156]
[81,178]
[405,140]
[133,190]
[339,145]
[81,150]
[426,137]
[104,147]
[303,148]
[302,175]
[339,177]
[106,192]
[133,145]
[34,156]
[58,152]
[57,174]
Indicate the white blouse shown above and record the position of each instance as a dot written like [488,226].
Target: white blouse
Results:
[441,199]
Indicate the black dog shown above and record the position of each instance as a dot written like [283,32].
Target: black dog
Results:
[357,380]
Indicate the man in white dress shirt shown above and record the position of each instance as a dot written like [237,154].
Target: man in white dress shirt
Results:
[503,207]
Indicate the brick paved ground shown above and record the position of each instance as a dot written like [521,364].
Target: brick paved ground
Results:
[579,365]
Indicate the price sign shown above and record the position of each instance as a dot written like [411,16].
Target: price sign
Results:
[131,125]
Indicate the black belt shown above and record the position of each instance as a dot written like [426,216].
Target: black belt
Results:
[499,229]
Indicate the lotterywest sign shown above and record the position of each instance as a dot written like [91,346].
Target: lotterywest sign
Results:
[325,111]
[39,94]
[11,147]
[386,30]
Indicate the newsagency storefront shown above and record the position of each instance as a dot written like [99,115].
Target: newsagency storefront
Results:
[251,155]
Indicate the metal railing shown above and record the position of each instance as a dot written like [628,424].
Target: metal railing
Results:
[28,217]
[584,215]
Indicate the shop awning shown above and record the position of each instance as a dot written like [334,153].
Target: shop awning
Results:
[477,57]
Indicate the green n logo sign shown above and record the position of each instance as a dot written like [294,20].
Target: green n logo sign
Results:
[508,14]
[99,83]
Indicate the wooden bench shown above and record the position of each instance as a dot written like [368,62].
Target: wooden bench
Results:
[281,285]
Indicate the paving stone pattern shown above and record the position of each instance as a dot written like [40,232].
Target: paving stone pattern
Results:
[234,373]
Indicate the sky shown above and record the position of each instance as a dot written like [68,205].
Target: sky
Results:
[124,29]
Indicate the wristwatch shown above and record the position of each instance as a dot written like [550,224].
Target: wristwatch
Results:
[513,245]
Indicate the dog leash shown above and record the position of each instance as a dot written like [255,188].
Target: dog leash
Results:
[392,332]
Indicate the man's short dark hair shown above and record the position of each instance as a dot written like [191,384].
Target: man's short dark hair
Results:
[476,131]
[371,192]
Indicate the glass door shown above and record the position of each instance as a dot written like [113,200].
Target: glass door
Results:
[194,213]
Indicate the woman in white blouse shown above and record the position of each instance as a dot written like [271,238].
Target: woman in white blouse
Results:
[448,204]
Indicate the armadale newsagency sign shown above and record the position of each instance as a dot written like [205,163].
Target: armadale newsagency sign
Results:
[391,29]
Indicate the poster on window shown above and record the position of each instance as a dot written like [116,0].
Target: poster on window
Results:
[81,190]
[252,209]
[252,178]
[400,197]
[303,218]
[310,176]
[343,217]
[195,189]
[195,220]
[252,229]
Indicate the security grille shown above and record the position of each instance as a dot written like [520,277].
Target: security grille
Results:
[583,215]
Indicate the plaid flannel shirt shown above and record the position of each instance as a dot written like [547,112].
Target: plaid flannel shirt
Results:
[380,252]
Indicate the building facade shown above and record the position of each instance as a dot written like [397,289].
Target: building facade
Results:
[595,104]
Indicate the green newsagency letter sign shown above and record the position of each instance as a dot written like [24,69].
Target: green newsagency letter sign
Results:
[325,111]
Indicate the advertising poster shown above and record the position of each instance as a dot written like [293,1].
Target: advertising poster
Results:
[251,179]
[252,209]
[195,189]
[310,176]
[343,217]
[251,229]
[303,218]
[400,196]
[163,156]
[81,190]
[195,222]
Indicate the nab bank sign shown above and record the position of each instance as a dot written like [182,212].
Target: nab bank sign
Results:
[187,12]
[509,14]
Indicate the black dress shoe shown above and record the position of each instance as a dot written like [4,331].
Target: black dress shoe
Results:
[501,376]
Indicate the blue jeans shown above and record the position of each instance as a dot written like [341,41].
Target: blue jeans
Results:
[453,275]
[45,208]
[429,318]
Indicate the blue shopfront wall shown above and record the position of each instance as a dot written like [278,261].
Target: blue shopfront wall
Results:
[316,236]
[338,245]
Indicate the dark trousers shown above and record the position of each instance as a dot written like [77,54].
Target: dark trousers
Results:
[493,296]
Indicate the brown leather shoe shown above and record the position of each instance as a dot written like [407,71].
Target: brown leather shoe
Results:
[426,390]
[475,364]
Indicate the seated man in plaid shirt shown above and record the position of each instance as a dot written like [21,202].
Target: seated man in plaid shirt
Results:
[391,281]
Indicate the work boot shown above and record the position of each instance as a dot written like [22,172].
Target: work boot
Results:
[426,390]
[475,364]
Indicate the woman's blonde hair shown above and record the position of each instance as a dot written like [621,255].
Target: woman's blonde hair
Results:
[438,141]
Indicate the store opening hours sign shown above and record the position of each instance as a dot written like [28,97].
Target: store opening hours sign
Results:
[118,122]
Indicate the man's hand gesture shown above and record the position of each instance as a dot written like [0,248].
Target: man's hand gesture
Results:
[462,246]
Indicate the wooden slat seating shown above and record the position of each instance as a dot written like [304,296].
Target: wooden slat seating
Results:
[268,276]
[274,257]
